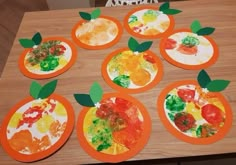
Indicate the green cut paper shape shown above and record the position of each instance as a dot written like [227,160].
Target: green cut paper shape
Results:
[205,31]
[26,43]
[47,89]
[96,93]
[164,6]
[195,26]
[133,44]
[136,47]
[95,13]
[37,38]
[84,100]
[144,46]
[171,11]
[217,85]
[85,16]
[203,78]
[35,89]
[205,81]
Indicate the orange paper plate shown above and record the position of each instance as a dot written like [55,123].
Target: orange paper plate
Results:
[193,115]
[143,71]
[145,22]
[35,129]
[116,131]
[67,60]
[202,56]
[98,35]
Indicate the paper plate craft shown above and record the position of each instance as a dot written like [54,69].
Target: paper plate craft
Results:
[111,127]
[46,58]
[150,22]
[195,111]
[134,69]
[96,31]
[190,49]
[37,126]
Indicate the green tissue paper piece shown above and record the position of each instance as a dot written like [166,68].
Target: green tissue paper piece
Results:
[101,134]
[85,16]
[190,41]
[217,85]
[37,38]
[171,116]
[49,63]
[35,89]
[171,11]
[122,80]
[175,104]
[84,100]
[144,46]
[203,78]
[195,26]
[133,44]
[26,43]
[95,13]
[96,93]
[47,89]
[205,31]
[199,131]
[164,6]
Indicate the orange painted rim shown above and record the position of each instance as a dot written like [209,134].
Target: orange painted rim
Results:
[124,156]
[218,136]
[129,30]
[29,74]
[185,66]
[113,42]
[43,154]
[154,82]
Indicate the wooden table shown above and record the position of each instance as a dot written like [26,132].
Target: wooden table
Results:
[216,13]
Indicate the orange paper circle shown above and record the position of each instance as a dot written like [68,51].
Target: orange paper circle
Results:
[186,66]
[86,46]
[150,85]
[129,30]
[208,140]
[126,155]
[42,154]
[29,74]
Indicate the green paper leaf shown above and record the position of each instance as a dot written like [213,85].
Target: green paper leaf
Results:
[96,93]
[85,16]
[164,6]
[195,26]
[37,38]
[26,43]
[144,46]
[217,85]
[47,89]
[171,11]
[205,31]
[95,13]
[35,89]
[203,79]
[133,44]
[84,100]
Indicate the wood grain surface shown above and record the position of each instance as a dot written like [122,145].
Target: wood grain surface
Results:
[11,13]
[87,69]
